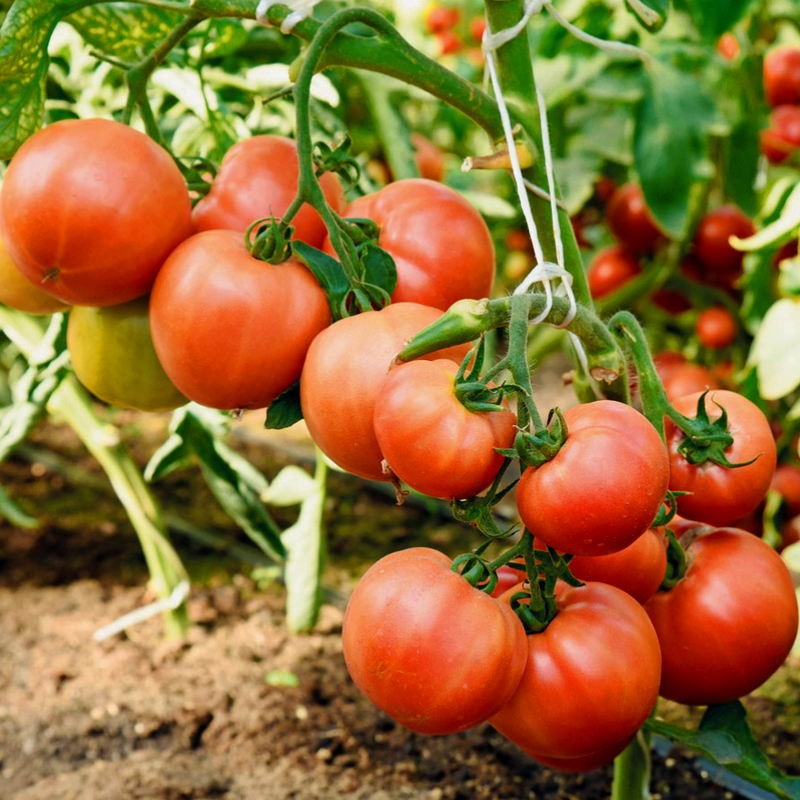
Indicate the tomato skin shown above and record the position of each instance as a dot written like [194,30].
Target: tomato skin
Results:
[585,763]
[230,330]
[91,210]
[258,178]
[637,569]
[449,42]
[590,680]
[782,76]
[477,27]
[631,222]
[783,137]
[430,440]
[716,328]
[610,269]
[720,495]
[718,261]
[428,228]
[603,488]
[440,18]
[679,377]
[729,623]
[113,356]
[728,46]
[429,158]
[786,482]
[433,652]
[343,372]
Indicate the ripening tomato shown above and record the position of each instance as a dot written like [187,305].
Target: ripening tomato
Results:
[232,331]
[91,210]
[344,370]
[718,261]
[440,243]
[782,76]
[631,222]
[113,356]
[426,647]
[258,178]
[716,328]
[430,440]
[604,487]
[637,569]
[729,623]
[610,269]
[786,482]
[782,138]
[720,495]
[429,158]
[591,678]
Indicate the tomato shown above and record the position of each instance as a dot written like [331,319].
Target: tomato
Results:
[786,482]
[631,222]
[230,330]
[258,178]
[718,261]
[439,242]
[637,569]
[16,291]
[591,677]
[782,76]
[477,26]
[610,269]
[728,46]
[344,370]
[113,357]
[91,209]
[782,138]
[439,18]
[687,379]
[671,301]
[433,652]
[430,440]
[584,763]
[716,328]
[719,495]
[729,623]
[680,525]
[449,42]
[603,488]
[429,158]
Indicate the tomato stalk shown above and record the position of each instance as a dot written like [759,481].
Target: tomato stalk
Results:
[677,563]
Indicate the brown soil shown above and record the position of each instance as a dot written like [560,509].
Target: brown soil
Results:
[214,716]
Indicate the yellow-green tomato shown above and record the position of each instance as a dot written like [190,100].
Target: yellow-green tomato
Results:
[113,356]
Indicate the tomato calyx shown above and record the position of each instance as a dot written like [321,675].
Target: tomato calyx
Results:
[539,447]
[668,510]
[677,563]
[477,511]
[199,174]
[336,159]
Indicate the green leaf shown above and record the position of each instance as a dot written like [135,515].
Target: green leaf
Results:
[172,455]
[379,267]
[652,14]
[14,514]
[777,232]
[775,348]
[725,737]
[125,31]
[671,144]
[740,165]
[290,487]
[328,272]
[285,410]
[712,19]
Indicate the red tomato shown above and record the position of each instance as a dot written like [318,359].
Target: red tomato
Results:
[718,261]
[783,137]
[786,482]
[449,42]
[603,488]
[719,495]
[344,370]
[716,328]
[91,209]
[583,763]
[426,647]
[728,46]
[590,681]
[671,301]
[782,76]
[477,26]
[439,18]
[679,525]
[439,242]
[637,569]
[686,379]
[258,178]
[631,222]
[729,623]
[610,269]
[429,158]
[232,331]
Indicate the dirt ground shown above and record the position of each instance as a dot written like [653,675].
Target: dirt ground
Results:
[218,716]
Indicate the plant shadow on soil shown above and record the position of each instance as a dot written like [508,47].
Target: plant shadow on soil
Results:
[138,717]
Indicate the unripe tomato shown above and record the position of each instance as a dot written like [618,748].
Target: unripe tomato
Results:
[590,681]
[719,262]
[430,440]
[717,494]
[729,623]
[113,357]
[426,647]
[344,370]
[610,269]
[230,330]
[440,243]
[782,76]
[91,210]
[783,136]
[604,487]
[716,327]
[258,178]
[429,158]
[631,222]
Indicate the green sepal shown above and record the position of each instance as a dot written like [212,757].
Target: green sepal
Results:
[329,274]
[338,160]
[535,449]
[285,410]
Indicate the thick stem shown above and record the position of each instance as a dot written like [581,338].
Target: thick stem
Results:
[632,770]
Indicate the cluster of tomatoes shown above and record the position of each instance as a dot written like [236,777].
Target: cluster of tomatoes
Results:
[454,32]
[781,140]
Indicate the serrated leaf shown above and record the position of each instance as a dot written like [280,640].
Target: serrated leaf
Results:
[776,232]
[712,19]
[776,350]
[671,144]
[285,410]
[291,486]
[328,272]
[652,14]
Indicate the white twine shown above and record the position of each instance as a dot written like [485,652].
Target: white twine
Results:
[300,10]
[178,596]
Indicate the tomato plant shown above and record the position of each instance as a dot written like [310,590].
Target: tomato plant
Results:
[91,210]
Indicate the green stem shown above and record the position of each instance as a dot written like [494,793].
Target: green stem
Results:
[632,770]
[527,411]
